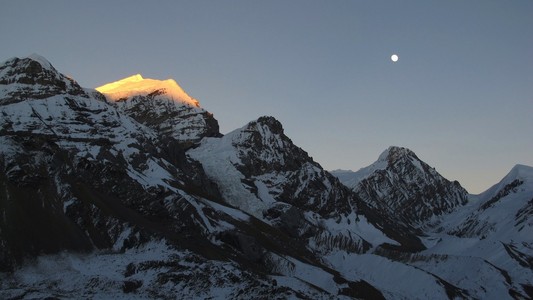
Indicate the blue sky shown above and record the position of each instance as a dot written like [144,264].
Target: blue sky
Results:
[460,96]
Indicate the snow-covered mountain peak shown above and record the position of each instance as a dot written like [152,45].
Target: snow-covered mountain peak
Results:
[522,172]
[390,156]
[162,105]
[33,64]
[272,123]
[41,60]
[136,85]
[33,77]
[263,126]
[518,174]
[264,142]
[404,186]
[395,153]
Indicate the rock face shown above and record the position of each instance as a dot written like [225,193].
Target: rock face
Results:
[405,187]
[35,78]
[260,171]
[274,168]
[163,106]
[136,194]
[76,174]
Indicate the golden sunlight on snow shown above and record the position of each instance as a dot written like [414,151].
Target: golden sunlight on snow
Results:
[136,85]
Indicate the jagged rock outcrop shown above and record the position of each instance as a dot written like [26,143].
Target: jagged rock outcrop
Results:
[136,194]
[163,106]
[406,188]
[259,170]
[77,174]
[36,79]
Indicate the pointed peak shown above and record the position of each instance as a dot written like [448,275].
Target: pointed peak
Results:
[393,153]
[41,60]
[37,72]
[270,122]
[520,172]
[33,64]
[109,87]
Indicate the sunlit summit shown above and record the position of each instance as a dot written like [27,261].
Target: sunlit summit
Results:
[137,85]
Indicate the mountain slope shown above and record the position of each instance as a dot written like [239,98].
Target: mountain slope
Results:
[135,194]
[163,106]
[79,175]
[405,187]
[495,229]
[75,172]
[488,238]
[505,207]
[259,170]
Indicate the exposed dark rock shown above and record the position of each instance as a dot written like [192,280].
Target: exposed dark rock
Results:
[131,286]
[246,244]
[408,190]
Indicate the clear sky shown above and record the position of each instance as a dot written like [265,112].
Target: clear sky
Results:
[460,96]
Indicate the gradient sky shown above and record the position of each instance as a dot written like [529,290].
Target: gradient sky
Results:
[460,96]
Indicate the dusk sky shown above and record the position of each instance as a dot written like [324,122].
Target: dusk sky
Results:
[460,95]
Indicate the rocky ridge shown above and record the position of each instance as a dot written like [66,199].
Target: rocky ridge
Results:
[163,106]
[138,195]
[405,188]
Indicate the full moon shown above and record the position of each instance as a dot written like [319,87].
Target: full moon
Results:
[394,58]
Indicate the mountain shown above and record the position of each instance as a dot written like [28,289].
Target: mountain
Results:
[130,191]
[163,106]
[493,229]
[80,175]
[405,188]
[260,171]
[504,210]
[486,238]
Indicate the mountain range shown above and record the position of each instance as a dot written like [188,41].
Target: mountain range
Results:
[130,191]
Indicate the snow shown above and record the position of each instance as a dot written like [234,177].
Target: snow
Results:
[298,285]
[295,269]
[137,85]
[403,281]
[480,279]
[69,272]
[371,234]
[164,273]
[471,259]
[349,226]
[418,165]
[234,213]
[351,178]
[520,172]
[159,104]
[472,262]
[313,275]
[41,60]
[153,175]
[218,158]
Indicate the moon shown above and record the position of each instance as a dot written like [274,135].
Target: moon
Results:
[394,58]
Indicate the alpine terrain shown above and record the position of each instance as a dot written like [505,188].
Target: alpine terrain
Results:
[129,191]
